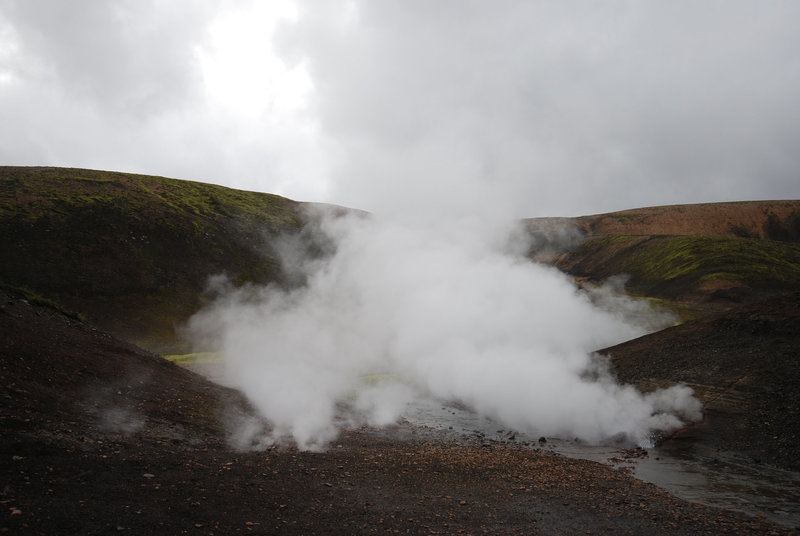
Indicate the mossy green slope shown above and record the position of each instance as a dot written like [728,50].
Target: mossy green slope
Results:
[132,252]
[694,268]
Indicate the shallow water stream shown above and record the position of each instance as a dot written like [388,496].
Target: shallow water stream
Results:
[687,470]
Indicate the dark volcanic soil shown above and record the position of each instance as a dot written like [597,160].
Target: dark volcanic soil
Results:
[744,366]
[100,437]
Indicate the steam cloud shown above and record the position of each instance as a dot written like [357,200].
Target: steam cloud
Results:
[406,309]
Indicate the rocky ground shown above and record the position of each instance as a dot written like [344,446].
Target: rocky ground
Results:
[744,365]
[100,437]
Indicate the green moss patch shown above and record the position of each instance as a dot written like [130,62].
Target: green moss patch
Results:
[672,266]
[195,358]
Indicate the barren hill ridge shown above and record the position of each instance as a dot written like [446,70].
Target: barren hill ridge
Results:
[774,220]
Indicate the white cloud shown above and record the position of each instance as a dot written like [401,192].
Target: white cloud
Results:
[241,70]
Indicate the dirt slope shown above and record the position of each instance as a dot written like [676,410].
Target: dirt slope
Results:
[100,437]
[745,367]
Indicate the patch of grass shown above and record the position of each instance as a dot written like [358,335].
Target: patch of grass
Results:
[669,265]
[752,261]
[375,379]
[37,299]
[194,358]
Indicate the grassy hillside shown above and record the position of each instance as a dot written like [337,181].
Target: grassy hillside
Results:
[711,254]
[131,252]
[690,267]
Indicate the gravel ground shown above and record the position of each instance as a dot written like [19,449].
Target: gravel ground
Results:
[100,437]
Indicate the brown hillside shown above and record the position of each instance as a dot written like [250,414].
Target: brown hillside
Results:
[775,220]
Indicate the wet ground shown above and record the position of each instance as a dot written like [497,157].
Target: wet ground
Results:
[683,467]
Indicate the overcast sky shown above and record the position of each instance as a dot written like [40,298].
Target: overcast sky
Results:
[525,108]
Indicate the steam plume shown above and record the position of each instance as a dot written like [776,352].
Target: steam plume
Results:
[448,311]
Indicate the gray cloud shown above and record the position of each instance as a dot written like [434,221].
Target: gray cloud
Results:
[130,59]
[563,108]
[513,107]
[120,85]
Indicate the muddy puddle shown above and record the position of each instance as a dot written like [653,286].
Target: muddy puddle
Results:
[688,471]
